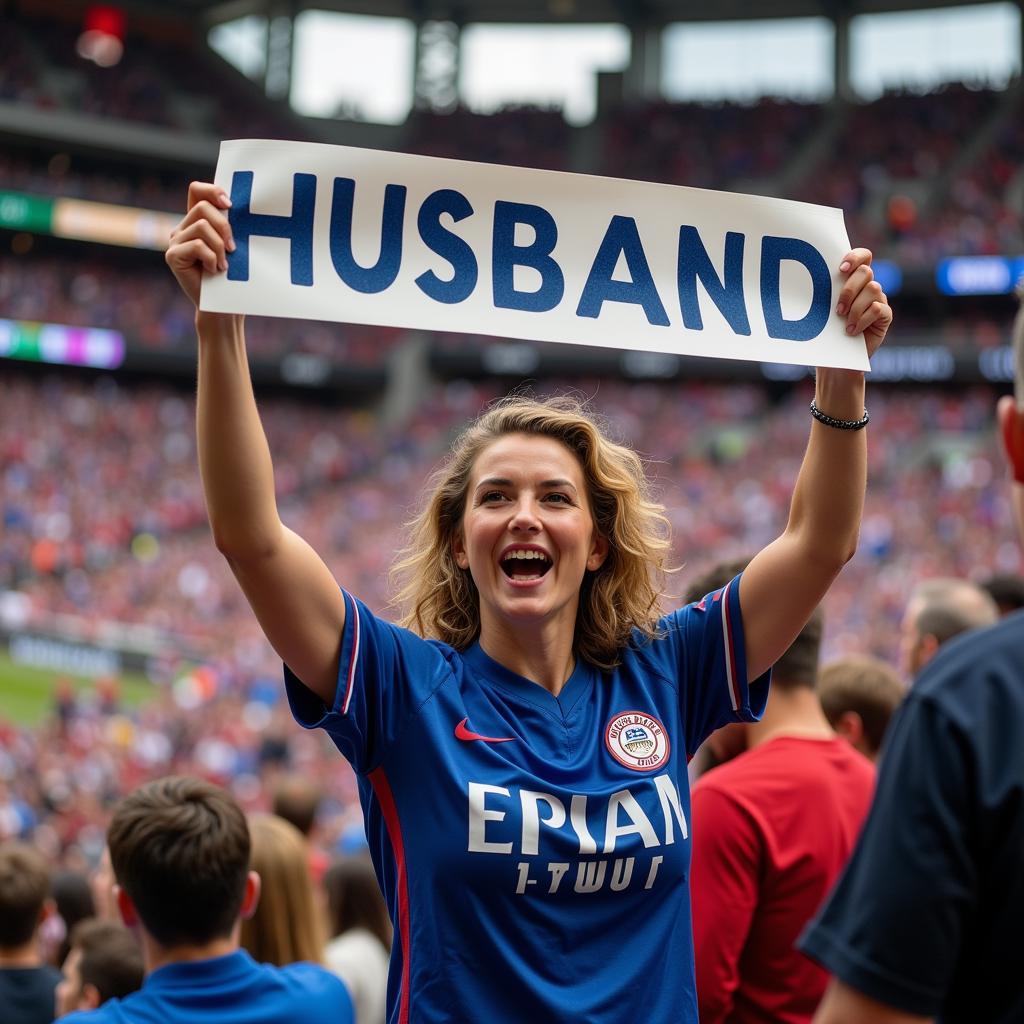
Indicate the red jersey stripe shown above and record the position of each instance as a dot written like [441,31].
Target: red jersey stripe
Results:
[382,790]
[354,656]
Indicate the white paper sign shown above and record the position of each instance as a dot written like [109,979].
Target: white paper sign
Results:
[363,236]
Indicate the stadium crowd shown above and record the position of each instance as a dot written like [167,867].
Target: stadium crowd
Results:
[125,295]
[116,468]
[47,72]
[915,193]
[104,524]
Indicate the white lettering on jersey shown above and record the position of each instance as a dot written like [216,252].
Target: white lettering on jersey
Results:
[639,824]
[532,819]
[622,873]
[590,875]
[479,816]
[578,817]
[669,797]
[624,816]
[557,874]
[653,873]
[524,877]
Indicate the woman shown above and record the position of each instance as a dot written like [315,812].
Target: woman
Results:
[285,927]
[358,951]
[521,749]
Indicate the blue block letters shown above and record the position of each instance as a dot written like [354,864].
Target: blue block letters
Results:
[506,256]
[622,237]
[448,245]
[298,228]
[773,251]
[368,280]
[695,263]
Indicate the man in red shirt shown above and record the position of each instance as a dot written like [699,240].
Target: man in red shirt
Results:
[772,829]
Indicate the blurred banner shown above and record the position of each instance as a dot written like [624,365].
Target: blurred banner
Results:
[334,233]
[86,220]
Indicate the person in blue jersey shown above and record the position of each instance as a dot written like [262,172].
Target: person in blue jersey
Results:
[521,737]
[180,850]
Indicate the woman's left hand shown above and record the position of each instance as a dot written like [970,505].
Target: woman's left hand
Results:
[862,302]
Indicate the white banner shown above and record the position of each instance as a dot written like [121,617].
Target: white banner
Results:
[364,236]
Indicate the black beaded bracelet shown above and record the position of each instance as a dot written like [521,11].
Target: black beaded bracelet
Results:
[831,421]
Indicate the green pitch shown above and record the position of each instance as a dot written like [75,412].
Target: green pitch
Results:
[26,693]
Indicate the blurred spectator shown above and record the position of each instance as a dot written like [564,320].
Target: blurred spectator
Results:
[938,610]
[72,897]
[297,801]
[859,695]
[27,982]
[925,921]
[286,926]
[101,884]
[1007,590]
[360,946]
[104,962]
[772,829]
[180,849]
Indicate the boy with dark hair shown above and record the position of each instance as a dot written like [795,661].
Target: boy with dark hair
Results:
[27,982]
[859,695]
[180,853]
[104,962]
[772,829]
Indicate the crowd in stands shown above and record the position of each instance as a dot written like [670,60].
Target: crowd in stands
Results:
[882,169]
[146,85]
[103,521]
[717,146]
[139,299]
[517,136]
[135,296]
[892,166]
[60,174]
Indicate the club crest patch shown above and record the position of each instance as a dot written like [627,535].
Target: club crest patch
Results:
[637,741]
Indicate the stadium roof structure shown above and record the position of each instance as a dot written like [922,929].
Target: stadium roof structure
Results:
[630,12]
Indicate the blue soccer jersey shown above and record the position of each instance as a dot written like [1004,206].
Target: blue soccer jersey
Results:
[534,850]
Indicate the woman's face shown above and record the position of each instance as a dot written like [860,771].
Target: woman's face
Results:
[528,535]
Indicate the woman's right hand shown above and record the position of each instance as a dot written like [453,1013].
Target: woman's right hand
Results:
[202,240]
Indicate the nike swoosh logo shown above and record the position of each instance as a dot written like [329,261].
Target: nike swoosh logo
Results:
[462,733]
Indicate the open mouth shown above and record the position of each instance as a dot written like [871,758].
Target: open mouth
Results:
[525,565]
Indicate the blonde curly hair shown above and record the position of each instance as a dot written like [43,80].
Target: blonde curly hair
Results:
[440,600]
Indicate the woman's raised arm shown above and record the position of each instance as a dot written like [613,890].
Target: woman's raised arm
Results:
[784,583]
[291,590]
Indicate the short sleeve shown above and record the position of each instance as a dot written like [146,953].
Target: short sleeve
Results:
[385,674]
[711,669]
[893,926]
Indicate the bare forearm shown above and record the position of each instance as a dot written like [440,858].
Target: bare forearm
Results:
[234,458]
[845,1005]
[828,500]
